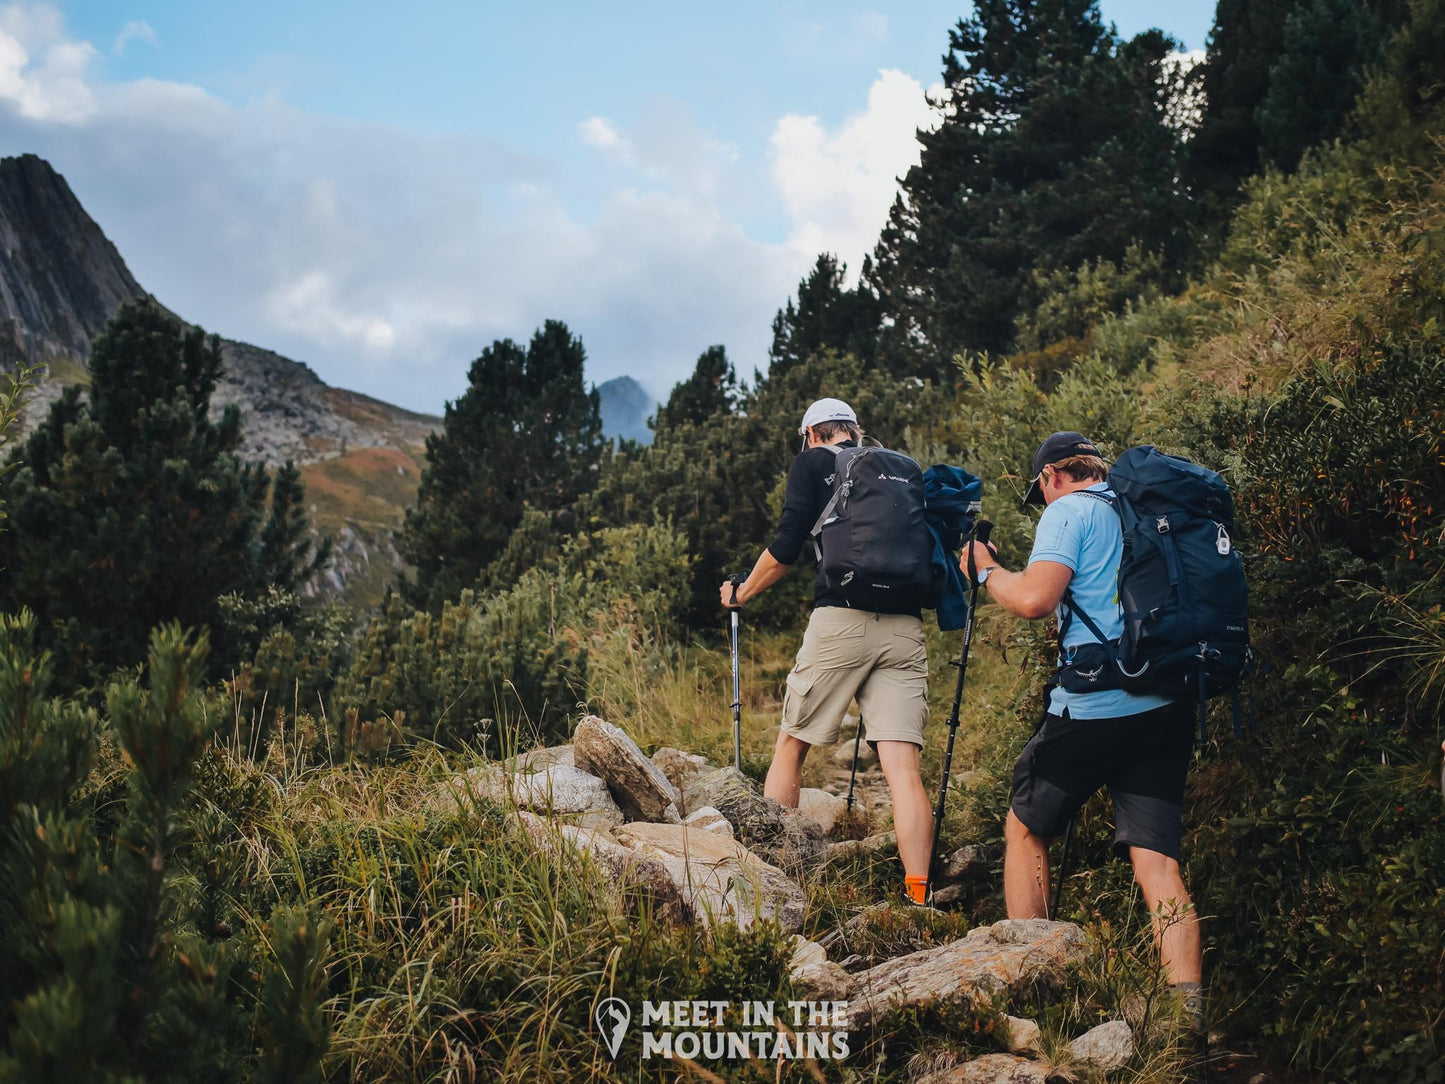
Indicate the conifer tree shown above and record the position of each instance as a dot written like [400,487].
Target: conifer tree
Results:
[709,393]
[1053,150]
[827,316]
[1326,47]
[130,507]
[525,432]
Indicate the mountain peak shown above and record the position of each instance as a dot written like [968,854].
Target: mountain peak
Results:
[60,277]
[625,407]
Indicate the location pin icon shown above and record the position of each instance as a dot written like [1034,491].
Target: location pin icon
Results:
[612,1018]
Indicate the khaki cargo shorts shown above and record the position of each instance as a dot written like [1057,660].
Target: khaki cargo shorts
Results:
[877,658]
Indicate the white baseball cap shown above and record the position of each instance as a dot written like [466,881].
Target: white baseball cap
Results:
[827,410]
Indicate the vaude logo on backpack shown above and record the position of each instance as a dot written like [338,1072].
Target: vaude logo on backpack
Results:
[872,537]
[1181,582]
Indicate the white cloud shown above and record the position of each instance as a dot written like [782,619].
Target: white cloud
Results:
[43,76]
[600,134]
[309,306]
[838,186]
[135,30]
[388,259]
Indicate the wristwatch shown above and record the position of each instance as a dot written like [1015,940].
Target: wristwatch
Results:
[983,574]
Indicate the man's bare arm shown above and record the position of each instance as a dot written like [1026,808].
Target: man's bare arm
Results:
[1034,592]
[767,571]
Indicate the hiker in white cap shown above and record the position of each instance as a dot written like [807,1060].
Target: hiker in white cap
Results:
[849,651]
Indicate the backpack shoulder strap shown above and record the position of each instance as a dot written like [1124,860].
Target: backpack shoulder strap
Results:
[1108,498]
[837,450]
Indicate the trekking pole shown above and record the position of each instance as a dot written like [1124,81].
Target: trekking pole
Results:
[980,533]
[853,775]
[1063,869]
[737,677]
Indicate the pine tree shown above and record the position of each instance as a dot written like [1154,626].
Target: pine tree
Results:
[711,391]
[1052,151]
[827,316]
[526,431]
[1324,52]
[130,507]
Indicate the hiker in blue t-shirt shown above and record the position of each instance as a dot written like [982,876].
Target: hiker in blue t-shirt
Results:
[1138,745]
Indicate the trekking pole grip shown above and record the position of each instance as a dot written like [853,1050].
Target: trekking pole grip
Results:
[736,579]
[981,530]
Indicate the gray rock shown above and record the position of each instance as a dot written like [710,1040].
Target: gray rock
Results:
[720,878]
[990,1069]
[708,819]
[972,861]
[1005,959]
[680,768]
[843,754]
[823,809]
[534,760]
[1022,1037]
[634,877]
[637,784]
[875,846]
[824,981]
[566,791]
[1106,1048]
[778,835]
[949,895]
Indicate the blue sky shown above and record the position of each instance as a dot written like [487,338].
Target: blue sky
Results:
[380,190]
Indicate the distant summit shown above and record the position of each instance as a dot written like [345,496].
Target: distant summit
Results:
[61,280]
[625,408]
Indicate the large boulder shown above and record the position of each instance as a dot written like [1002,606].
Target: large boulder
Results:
[547,756]
[1105,1048]
[721,879]
[1007,959]
[567,792]
[561,790]
[778,835]
[636,783]
[633,876]
[991,1069]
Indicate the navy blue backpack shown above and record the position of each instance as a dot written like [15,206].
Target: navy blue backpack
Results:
[1181,581]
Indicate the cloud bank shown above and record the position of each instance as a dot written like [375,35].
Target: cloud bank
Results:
[387,259]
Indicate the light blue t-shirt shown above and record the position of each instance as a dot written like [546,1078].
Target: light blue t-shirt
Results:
[1083,533]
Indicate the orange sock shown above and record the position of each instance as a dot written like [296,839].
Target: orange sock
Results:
[916,888]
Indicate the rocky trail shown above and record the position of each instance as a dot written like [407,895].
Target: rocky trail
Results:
[702,845]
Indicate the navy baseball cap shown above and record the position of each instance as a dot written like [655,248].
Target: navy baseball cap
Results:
[1056,446]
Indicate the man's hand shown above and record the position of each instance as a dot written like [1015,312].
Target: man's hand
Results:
[728,593]
[983,554]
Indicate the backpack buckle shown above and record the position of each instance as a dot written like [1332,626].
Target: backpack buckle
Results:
[1161,524]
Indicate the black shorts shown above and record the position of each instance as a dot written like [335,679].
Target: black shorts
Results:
[1142,759]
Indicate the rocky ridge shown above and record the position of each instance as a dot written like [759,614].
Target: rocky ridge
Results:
[702,845]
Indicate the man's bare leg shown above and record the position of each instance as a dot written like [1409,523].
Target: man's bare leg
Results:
[1176,929]
[785,773]
[1025,870]
[912,817]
